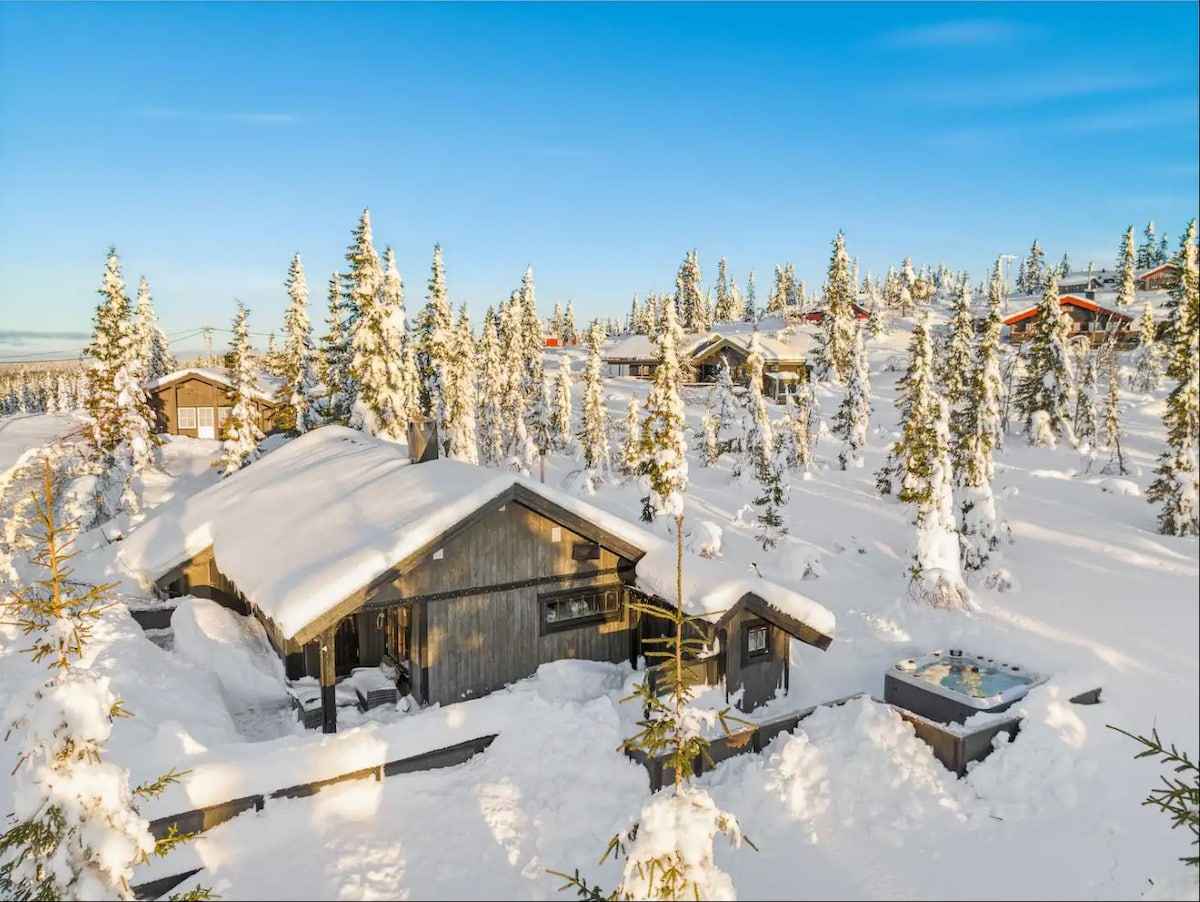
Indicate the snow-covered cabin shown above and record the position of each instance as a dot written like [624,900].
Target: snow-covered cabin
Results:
[462,577]
[196,402]
[785,355]
[818,316]
[1088,319]
[1159,278]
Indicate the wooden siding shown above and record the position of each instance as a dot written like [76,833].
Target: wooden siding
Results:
[200,577]
[196,391]
[473,644]
[759,679]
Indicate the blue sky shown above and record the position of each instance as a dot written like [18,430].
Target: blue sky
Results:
[598,143]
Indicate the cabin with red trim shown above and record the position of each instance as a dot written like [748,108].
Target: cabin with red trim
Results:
[1088,319]
[818,316]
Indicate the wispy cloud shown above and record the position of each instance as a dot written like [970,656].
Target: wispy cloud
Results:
[23,337]
[1030,88]
[227,118]
[960,33]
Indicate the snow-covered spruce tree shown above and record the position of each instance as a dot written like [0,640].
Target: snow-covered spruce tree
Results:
[772,498]
[854,415]
[1044,390]
[1084,420]
[976,434]
[460,439]
[540,422]
[723,310]
[560,416]
[688,298]
[1111,417]
[242,432]
[1127,287]
[1033,271]
[558,322]
[296,398]
[570,335]
[1177,477]
[135,420]
[917,403]
[834,357]
[518,449]
[955,360]
[758,442]
[432,342]
[987,385]
[492,420]
[533,338]
[334,364]
[1064,267]
[728,413]
[362,282]
[662,452]
[74,831]
[737,303]
[376,367]
[1147,253]
[150,340]
[593,433]
[1148,372]
[629,454]
[935,571]
[111,348]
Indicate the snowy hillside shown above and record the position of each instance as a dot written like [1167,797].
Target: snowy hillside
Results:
[851,805]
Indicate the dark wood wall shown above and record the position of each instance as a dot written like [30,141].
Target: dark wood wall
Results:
[200,577]
[195,391]
[758,678]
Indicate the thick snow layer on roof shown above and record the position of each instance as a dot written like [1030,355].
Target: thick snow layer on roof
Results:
[267,385]
[304,527]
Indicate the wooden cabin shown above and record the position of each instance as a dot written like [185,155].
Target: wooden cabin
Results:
[1159,278]
[785,359]
[1088,320]
[197,402]
[463,579]
[818,316]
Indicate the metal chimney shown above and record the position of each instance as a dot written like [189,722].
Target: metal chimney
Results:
[422,439]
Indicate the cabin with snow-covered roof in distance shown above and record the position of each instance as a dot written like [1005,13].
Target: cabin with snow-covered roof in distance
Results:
[785,356]
[449,579]
[1088,320]
[196,402]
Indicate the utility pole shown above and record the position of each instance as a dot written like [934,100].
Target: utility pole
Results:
[1006,258]
[208,357]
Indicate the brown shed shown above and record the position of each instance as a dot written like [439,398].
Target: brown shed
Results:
[196,402]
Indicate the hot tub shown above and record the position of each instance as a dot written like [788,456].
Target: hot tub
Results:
[948,687]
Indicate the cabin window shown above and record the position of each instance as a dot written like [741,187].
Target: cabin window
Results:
[223,414]
[586,551]
[579,607]
[187,417]
[756,642]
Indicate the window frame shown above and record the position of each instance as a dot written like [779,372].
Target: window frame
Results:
[179,417]
[548,599]
[212,417]
[758,656]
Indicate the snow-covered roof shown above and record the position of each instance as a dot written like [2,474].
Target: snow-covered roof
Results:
[304,527]
[265,389]
[793,344]
[1069,300]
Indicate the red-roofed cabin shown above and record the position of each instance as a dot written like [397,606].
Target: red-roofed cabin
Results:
[1087,319]
[818,316]
[553,341]
[1159,278]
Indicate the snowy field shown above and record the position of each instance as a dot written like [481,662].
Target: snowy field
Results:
[851,805]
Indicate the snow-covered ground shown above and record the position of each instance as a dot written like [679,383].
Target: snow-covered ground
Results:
[850,806]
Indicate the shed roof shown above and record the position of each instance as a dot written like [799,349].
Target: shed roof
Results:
[301,530]
[264,390]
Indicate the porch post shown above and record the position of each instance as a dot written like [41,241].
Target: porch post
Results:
[328,682]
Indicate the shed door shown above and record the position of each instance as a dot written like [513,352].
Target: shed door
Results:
[205,426]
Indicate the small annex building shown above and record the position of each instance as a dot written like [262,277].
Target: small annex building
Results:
[466,578]
[196,402]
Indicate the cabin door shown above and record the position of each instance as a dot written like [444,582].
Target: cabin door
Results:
[205,424]
[345,645]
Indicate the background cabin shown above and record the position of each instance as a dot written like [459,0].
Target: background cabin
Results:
[197,403]
[1088,319]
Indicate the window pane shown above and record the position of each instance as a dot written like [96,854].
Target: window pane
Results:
[187,417]
[757,640]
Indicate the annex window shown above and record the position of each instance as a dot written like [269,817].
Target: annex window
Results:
[187,417]
[579,607]
[756,642]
